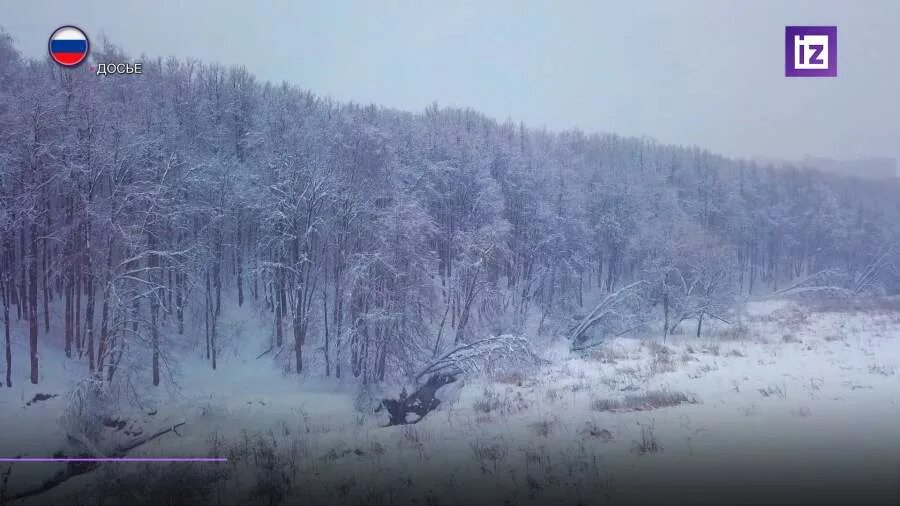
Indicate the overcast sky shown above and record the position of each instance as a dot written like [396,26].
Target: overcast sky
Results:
[704,72]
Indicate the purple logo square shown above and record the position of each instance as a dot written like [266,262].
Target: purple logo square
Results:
[810,51]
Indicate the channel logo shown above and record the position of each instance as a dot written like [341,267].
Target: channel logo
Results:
[810,51]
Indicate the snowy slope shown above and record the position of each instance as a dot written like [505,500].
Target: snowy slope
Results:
[783,397]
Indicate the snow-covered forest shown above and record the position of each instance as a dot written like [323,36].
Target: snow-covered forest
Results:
[373,247]
[136,206]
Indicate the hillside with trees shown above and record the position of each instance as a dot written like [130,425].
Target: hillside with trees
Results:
[135,209]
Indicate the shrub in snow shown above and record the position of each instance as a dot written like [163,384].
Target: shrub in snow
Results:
[653,399]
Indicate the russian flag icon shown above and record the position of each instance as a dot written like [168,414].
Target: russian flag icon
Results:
[68,46]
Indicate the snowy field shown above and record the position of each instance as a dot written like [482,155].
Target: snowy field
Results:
[790,398]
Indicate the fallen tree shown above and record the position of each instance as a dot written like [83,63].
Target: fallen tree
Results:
[78,468]
[616,311]
[468,358]
[422,401]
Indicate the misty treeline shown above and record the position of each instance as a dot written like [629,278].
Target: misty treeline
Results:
[135,210]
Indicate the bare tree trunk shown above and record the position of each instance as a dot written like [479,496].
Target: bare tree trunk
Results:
[666,316]
[78,292]
[154,340]
[10,276]
[471,292]
[89,309]
[46,272]
[752,270]
[437,340]
[240,258]
[381,362]
[300,327]
[611,270]
[213,344]
[216,308]
[179,301]
[581,287]
[364,356]
[207,309]
[279,307]
[254,273]
[70,318]
[8,345]
[152,263]
[32,307]
[169,290]
[136,311]
[103,347]
[354,351]
[325,318]
[113,359]
[338,317]
[23,260]
[298,348]
[217,275]
[5,288]
[212,319]
[69,280]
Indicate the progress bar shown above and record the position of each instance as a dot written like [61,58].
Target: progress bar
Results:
[111,459]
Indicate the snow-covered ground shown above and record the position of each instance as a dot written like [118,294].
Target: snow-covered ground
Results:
[789,401]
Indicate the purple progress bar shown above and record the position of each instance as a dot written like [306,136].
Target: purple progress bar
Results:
[111,459]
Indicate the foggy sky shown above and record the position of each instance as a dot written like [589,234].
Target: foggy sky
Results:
[706,72]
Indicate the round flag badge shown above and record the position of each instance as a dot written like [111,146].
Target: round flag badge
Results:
[68,46]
